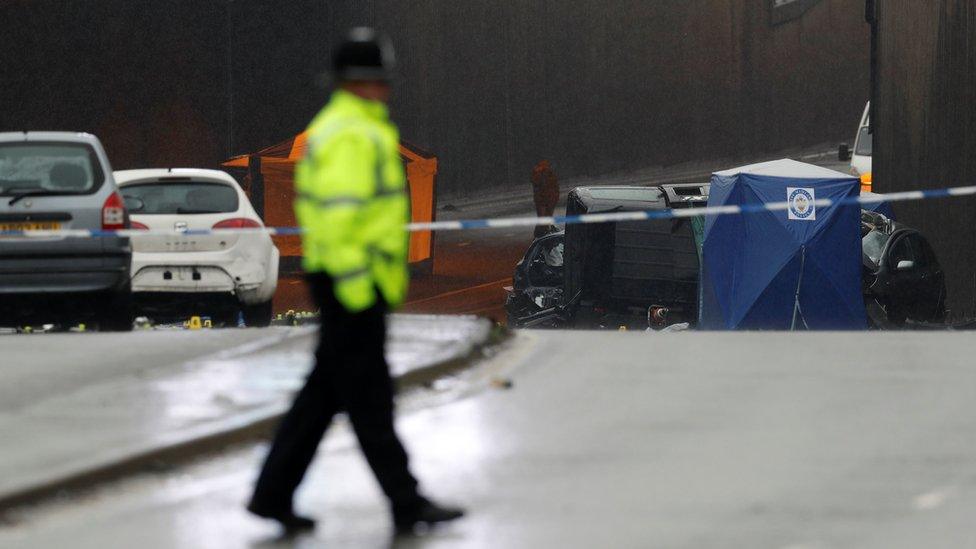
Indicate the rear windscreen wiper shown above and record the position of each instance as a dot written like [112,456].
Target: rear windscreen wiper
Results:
[194,211]
[20,196]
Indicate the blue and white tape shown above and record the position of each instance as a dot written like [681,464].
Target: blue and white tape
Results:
[510,222]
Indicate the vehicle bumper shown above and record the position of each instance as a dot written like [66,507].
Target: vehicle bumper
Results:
[205,273]
[65,266]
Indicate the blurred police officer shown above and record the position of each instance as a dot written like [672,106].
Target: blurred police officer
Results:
[351,202]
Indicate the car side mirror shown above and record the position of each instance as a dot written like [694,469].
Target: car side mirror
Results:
[844,152]
[905,265]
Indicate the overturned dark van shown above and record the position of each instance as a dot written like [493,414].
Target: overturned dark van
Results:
[613,274]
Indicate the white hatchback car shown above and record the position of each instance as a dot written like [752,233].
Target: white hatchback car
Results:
[193,271]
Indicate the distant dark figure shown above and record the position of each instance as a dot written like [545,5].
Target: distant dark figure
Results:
[545,193]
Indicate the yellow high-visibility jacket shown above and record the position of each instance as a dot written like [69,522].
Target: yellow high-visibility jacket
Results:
[351,202]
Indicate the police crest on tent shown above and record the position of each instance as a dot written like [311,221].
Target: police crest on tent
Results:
[802,201]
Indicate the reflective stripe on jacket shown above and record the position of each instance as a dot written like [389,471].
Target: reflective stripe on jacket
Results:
[351,202]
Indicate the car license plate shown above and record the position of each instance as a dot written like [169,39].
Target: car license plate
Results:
[31,226]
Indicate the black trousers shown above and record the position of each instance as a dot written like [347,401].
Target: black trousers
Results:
[350,374]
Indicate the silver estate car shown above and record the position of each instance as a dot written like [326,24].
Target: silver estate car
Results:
[61,180]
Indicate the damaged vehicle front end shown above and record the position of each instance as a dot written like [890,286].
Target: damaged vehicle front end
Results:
[902,280]
[609,275]
[535,299]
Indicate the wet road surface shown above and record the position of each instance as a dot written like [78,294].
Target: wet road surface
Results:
[41,366]
[621,440]
[73,405]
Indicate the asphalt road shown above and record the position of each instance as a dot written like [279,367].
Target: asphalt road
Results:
[73,407]
[37,367]
[470,273]
[760,440]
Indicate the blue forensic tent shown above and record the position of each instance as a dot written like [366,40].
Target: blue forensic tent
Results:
[777,270]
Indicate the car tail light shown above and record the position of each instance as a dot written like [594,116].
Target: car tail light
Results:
[138,226]
[238,223]
[113,213]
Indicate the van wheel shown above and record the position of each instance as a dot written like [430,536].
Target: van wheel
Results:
[258,315]
[118,316]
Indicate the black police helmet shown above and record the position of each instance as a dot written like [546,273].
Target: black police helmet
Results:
[364,55]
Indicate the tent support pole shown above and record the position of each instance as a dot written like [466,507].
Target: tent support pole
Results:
[797,312]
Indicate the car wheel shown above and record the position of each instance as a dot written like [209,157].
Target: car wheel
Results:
[118,316]
[258,315]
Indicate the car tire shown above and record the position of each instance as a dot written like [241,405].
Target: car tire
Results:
[258,315]
[119,315]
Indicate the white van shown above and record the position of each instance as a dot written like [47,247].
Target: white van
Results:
[861,155]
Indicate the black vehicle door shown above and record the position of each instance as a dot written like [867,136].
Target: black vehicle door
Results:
[915,280]
[932,286]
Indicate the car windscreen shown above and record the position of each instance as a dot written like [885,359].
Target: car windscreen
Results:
[865,141]
[168,198]
[48,168]
[872,245]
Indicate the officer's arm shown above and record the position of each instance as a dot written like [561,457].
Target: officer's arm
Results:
[343,182]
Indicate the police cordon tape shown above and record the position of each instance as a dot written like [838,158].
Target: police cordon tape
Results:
[503,223]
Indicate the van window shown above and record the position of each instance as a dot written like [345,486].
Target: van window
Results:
[48,168]
[181,198]
[865,140]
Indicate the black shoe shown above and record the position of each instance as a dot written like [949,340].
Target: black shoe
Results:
[288,519]
[426,513]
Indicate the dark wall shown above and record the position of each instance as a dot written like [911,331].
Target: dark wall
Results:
[491,87]
[598,87]
[145,78]
[164,83]
[925,126]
